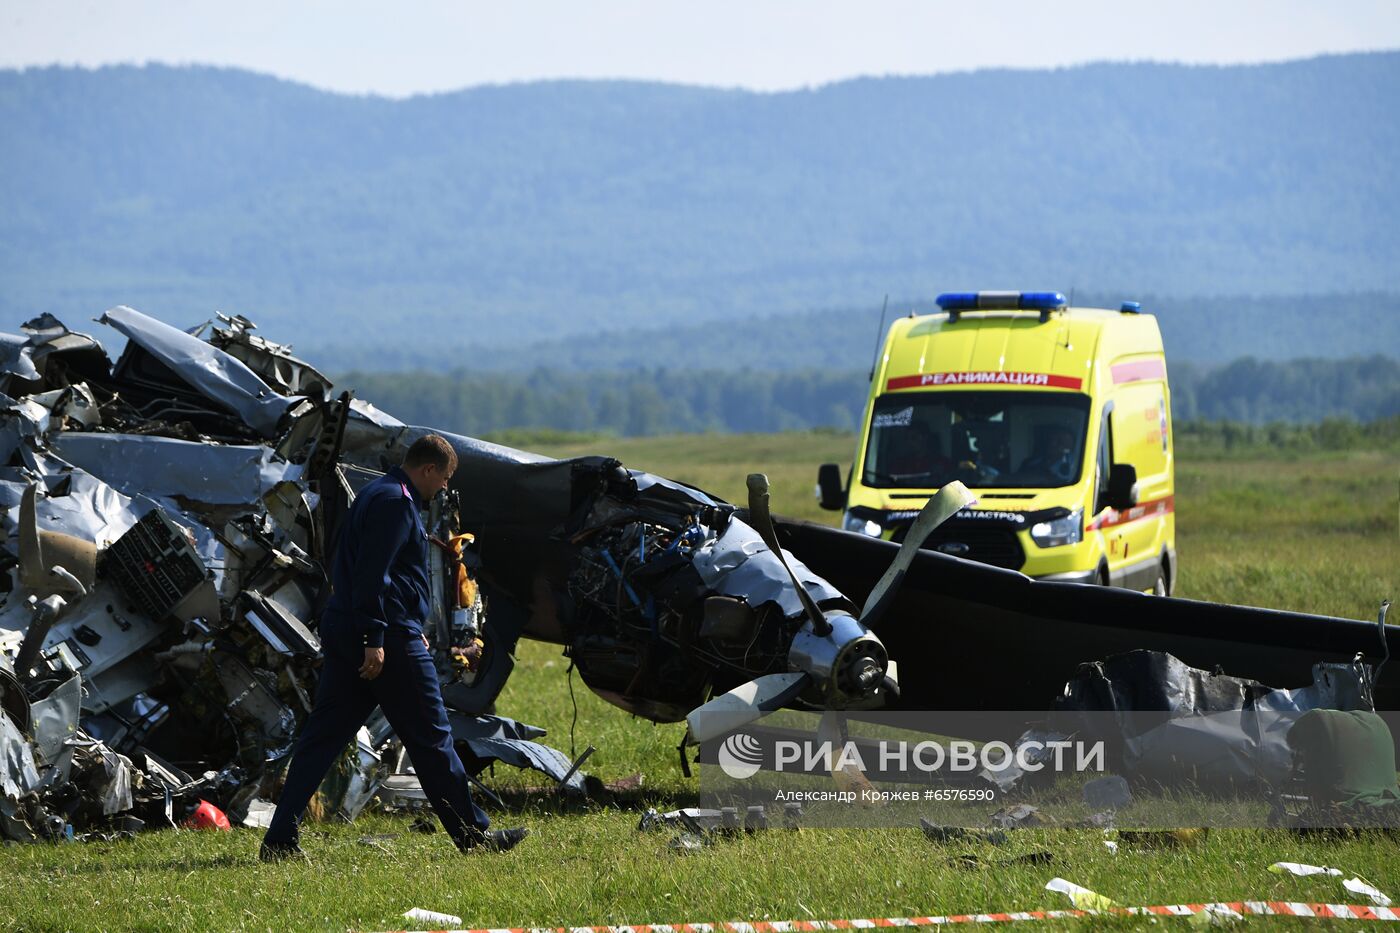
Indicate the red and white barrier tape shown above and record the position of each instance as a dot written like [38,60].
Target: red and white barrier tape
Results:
[1257,908]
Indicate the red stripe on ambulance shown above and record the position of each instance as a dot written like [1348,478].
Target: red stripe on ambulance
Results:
[1140,511]
[1139,372]
[924,380]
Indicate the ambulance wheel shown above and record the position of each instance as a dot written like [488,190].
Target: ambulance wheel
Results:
[1103,575]
[1164,577]
[1160,587]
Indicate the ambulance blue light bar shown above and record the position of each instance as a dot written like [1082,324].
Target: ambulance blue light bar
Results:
[957,302]
[1131,307]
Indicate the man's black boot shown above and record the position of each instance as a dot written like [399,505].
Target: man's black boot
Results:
[281,852]
[493,840]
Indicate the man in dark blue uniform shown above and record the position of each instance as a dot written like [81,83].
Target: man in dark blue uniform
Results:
[376,655]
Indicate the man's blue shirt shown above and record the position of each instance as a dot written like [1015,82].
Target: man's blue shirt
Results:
[380,577]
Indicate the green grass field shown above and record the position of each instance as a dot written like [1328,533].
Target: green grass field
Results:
[1315,534]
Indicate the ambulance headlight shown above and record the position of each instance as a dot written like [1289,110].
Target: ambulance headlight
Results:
[862,526]
[1067,530]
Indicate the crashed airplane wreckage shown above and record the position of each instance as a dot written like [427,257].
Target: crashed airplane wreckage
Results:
[168,518]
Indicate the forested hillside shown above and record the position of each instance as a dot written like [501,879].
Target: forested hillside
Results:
[361,227]
[1196,330]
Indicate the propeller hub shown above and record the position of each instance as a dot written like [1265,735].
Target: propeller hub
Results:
[847,663]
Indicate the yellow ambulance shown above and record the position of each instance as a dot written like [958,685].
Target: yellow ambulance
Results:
[1058,419]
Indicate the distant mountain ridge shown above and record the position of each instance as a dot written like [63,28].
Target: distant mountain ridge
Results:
[505,216]
[1204,330]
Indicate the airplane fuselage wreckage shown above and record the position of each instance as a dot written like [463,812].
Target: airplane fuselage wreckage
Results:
[169,517]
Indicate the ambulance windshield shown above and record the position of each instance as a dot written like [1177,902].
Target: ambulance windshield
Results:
[987,439]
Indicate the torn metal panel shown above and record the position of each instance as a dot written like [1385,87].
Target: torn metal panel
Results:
[293,511]
[49,355]
[16,357]
[365,776]
[1034,749]
[283,631]
[200,474]
[116,793]
[75,502]
[738,563]
[56,719]
[371,438]
[273,362]
[52,339]
[20,773]
[698,820]
[678,492]
[216,375]
[34,421]
[74,404]
[361,410]
[1173,719]
[497,738]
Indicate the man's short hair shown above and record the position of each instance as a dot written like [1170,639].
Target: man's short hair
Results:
[434,449]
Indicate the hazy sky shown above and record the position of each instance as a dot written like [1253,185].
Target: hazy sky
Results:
[401,47]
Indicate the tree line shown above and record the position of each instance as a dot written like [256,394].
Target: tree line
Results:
[669,401]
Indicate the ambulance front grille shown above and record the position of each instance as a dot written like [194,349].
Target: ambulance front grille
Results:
[990,545]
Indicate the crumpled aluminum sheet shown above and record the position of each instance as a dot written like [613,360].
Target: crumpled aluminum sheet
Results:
[364,780]
[19,774]
[504,739]
[738,563]
[1171,718]
[381,419]
[212,372]
[151,465]
[16,357]
[116,796]
[651,481]
[89,508]
[56,718]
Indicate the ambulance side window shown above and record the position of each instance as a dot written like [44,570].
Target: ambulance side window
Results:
[1105,455]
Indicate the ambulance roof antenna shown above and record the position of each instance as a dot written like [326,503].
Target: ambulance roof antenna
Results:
[1065,330]
[879,334]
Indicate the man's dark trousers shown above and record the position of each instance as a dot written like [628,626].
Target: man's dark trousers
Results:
[408,691]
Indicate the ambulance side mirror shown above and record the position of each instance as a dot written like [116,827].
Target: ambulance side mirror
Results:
[829,492]
[1122,492]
